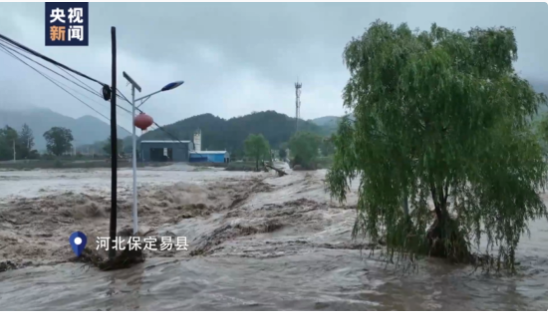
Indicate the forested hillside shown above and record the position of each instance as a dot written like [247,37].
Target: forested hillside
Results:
[220,134]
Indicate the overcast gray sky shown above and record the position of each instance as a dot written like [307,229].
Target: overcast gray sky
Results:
[238,58]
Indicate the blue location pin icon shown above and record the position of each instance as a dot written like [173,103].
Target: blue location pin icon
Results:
[78,241]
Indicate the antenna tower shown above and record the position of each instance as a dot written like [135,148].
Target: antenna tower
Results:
[298,87]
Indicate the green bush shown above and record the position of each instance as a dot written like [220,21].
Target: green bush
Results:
[324,162]
[304,148]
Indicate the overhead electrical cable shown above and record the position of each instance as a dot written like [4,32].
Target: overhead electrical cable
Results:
[87,89]
[56,83]
[66,68]
[63,67]
[50,60]
[83,83]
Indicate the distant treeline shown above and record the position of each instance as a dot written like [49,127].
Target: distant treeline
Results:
[222,134]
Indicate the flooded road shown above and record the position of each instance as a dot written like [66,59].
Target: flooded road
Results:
[256,242]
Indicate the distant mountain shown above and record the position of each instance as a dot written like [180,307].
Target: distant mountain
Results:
[85,130]
[326,121]
[220,134]
[329,124]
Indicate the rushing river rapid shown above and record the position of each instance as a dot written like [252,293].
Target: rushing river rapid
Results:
[256,242]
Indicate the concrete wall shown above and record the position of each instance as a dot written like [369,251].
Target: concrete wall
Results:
[180,150]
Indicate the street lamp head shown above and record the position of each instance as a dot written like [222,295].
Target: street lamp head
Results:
[172,85]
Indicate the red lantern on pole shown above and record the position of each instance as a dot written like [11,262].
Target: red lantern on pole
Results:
[143,121]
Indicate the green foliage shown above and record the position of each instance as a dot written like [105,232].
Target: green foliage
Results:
[541,127]
[120,146]
[98,148]
[26,143]
[345,166]
[440,115]
[325,162]
[22,142]
[257,148]
[8,141]
[327,147]
[127,145]
[304,149]
[328,124]
[282,153]
[34,154]
[58,140]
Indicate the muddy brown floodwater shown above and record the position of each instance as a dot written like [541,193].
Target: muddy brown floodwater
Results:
[256,242]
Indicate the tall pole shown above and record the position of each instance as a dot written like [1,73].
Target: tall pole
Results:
[134,160]
[296,108]
[113,149]
[134,86]
[142,154]
[297,104]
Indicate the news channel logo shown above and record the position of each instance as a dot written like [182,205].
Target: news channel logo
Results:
[67,23]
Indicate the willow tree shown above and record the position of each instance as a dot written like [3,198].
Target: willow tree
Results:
[441,142]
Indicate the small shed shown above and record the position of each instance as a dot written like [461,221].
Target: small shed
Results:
[210,156]
[165,150]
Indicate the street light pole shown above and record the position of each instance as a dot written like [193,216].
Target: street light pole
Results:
[134,86]
[134,164]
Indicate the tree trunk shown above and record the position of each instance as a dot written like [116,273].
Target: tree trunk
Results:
[445,239]
[406,206]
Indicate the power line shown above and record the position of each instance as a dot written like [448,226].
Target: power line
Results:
[63,67]
[48,78]
[96,93]
[86,85]
[50,60]
[71,70]
[83,87]
[122,96]
[57,84]
[93,100]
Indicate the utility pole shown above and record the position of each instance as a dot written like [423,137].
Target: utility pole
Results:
[298,87]
[134,86]
[113,147]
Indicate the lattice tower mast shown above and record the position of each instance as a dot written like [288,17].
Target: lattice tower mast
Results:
[298,87]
